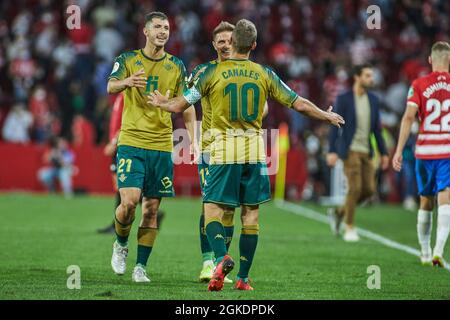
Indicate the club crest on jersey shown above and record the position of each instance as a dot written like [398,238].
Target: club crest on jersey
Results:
[139,63]
[168,66]
[122,178]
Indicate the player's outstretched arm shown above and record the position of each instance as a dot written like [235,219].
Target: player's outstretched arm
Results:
[176,104]
[309,109]
[405,129]
[136,80]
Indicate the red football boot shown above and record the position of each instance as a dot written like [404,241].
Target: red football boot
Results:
[222,269]
[243,285]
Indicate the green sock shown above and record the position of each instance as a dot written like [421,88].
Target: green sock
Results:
[122,231]
[228,236]
[207,252]
[146,240]
[247,247]
[216,237]
[143,253]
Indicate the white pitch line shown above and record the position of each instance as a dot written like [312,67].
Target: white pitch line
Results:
[314,215]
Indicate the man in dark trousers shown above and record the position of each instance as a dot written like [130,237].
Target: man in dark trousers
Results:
[351,143]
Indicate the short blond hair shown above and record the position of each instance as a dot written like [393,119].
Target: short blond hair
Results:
[440,52]
[244,35]
[223,26]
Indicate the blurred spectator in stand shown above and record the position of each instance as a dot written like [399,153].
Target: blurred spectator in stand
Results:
[59,166]
[335,83]
[319,173]
[395,97]
[17,124]
[41,105]
[83,133]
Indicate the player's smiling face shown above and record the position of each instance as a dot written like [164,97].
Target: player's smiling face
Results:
[222,44]
[157,32]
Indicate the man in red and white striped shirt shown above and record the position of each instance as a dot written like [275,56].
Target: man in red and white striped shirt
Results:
[429,97]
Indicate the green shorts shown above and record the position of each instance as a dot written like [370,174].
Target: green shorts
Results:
[202,167]
[237,184]
[149,170]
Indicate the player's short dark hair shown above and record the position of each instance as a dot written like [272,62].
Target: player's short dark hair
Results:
[223,27]
[358,69]
[155,14]
[244,35]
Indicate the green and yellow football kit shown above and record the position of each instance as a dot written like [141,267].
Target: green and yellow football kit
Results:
[237,91]
[205,138]
[145,141]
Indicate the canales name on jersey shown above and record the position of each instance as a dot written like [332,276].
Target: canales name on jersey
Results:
[237,91]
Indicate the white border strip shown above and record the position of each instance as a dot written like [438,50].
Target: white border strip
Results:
[316,216]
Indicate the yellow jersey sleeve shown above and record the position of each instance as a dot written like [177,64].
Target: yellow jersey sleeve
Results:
[279,90]
[120,70]
[182,78]
[201,85]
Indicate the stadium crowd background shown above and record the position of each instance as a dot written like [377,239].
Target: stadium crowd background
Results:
[53,80]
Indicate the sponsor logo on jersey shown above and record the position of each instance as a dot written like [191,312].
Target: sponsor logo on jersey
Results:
[166,182]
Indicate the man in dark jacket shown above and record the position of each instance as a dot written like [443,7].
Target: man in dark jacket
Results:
[351,143]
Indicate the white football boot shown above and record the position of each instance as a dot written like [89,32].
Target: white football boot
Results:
[139,274]
[351,235]
[119,258]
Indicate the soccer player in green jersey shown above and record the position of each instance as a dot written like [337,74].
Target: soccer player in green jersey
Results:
[238,176]
[222,45]
[144,153]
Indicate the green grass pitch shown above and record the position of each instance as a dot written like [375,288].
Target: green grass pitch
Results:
[297,258]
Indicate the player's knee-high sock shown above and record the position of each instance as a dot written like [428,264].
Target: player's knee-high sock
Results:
[424,226]
[247,247]
[443,228]
[216,237]
[207,252]
[228,225]
[122,231]
[146,238]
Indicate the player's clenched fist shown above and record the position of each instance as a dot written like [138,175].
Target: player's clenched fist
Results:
[136,80]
